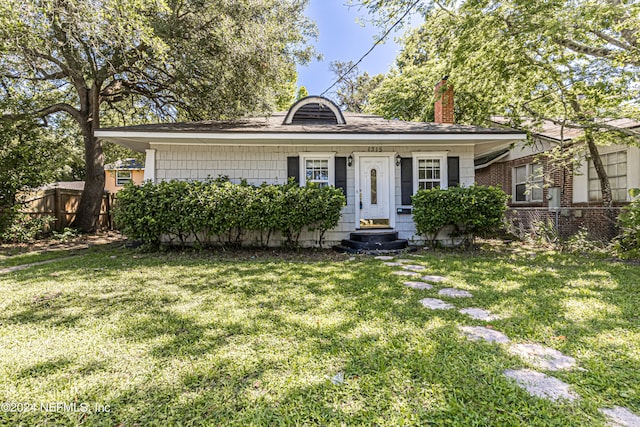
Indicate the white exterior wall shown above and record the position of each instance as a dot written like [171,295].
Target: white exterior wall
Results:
[258,164]
[581,179]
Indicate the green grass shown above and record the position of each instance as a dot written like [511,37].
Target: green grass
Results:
[184,339]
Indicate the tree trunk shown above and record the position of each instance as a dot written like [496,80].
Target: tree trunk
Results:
[607,199]
[88,212]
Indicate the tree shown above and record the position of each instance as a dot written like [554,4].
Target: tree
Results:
[302,93]
[353,88]
[573,63]
[28,159]
[168,59]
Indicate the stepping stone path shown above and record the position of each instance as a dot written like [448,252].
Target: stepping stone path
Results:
[479,314]
[476,333]
[406,273]
[543,357]
[418,285]
[535,383]
[435,304]
[434,279]
[455,293]
[541,385]
[621,417]
[414,267]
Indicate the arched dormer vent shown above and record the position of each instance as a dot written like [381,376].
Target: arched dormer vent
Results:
[314,110]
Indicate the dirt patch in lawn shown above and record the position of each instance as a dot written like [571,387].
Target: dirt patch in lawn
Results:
[51,245]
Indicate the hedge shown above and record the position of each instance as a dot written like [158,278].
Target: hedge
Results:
[467,211]
[224,213]
[627,243]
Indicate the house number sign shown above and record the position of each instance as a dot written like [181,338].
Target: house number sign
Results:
[374,150]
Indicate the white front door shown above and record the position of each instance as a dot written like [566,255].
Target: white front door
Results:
[374,191]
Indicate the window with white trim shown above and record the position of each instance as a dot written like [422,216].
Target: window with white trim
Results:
[123,177]
[616,167]
[318,168]
[429,171]
[528,181]
[428,174]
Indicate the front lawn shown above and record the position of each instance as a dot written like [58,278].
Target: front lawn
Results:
[118,337]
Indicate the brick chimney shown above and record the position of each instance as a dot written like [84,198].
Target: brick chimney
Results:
[443,94]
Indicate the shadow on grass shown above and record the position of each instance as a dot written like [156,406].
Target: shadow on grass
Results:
[263,339]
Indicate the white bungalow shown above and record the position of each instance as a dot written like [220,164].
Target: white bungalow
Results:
[378,163]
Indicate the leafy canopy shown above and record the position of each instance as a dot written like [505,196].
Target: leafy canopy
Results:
[147,60]
[176,58]
[572,61]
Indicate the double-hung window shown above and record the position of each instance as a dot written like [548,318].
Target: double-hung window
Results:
[528,181]
[616,167]
[318,168]
[123,177]
[430,171]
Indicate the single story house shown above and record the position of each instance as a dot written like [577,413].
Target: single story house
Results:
[543,188]
[378,163]
[122,172]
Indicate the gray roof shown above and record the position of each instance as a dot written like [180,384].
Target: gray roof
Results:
[356,124]
[124,164]
[63,185]
[553,131]
[485,159]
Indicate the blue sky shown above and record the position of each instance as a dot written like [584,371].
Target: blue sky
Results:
[341,38]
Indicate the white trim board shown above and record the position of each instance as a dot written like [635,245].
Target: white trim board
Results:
[283,137]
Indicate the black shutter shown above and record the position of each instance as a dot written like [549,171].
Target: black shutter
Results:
[406,179]
[293,168]
[453,169]
[341,175]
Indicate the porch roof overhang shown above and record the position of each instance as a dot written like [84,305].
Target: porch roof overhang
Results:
[141,140]
[357,130]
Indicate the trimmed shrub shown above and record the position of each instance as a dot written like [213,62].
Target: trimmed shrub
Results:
[222,212]
[627,243]
[467,211]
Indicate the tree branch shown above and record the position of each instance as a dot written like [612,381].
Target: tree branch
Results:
[597,126]
[59,75]
[612,40]
[62,107]
[584,49]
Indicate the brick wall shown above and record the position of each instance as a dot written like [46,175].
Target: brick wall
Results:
[571,218]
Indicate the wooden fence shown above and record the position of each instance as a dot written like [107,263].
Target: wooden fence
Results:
[62,204]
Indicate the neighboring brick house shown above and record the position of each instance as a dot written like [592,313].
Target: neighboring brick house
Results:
[378,163]
[542,188]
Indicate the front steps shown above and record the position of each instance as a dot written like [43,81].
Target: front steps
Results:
[372,241]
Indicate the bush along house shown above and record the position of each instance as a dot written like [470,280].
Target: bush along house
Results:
[379,164]
[552,180]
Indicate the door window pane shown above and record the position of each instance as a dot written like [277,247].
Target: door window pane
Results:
[374,187]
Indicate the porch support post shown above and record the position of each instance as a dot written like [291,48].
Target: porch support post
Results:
[150,165]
